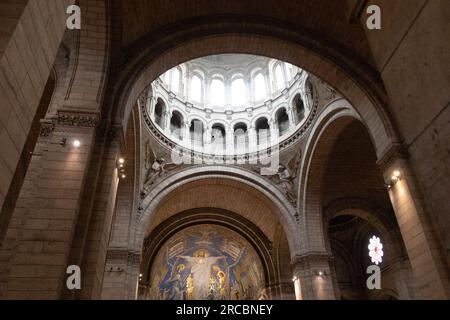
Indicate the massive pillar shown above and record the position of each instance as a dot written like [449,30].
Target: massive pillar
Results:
[35,252]
[29,40]
[410,53]
[424,251]
[312,277]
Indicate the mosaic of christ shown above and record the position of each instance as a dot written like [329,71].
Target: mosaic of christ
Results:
[206,262]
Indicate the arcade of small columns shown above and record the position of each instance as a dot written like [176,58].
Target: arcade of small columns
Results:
[193,124]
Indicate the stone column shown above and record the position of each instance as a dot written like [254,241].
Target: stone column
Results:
[121,277]
[230,140]
[167,118]
[35,253]
[274,130]
[425,255]
[292,116]
[252,139]
[312,276]
[187,133]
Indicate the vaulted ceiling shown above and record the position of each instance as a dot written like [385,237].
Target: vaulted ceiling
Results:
[323,18]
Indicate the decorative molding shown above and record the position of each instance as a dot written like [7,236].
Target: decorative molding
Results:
[303,261]
[250,157]
[123,255]
[77,119]
[395,152]
[47,127]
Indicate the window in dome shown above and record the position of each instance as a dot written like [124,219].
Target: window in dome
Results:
[196,89]
[238,92]
[260,87]
[176,76]
[217,93]
[279,77]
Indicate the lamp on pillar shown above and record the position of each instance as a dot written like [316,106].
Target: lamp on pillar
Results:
[120,164]
[396,177]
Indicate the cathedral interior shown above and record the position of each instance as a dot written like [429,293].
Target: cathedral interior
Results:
[224,150]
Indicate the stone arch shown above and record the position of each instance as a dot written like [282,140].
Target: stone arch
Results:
[215,216]
[356,83]
[284,210]
[331,121]
[369,213]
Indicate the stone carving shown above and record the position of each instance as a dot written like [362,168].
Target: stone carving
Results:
[46,129]
[285,179]
[156,167]
[78,119]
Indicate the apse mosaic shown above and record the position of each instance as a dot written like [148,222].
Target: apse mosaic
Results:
[206,262]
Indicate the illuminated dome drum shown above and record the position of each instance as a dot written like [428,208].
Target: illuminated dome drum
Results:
[229,104]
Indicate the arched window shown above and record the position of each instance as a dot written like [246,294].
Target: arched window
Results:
[279,77]
[217,92]
[196,89]
[282,121]
[290,71]
[176,125]
[160,109]
[176,77]
[238,92]
[259,87]
[299,108]
[262,131]
[218,139]
[240,137]
[197,131]
[166,77]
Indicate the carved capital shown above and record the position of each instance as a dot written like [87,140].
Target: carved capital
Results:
[123,255]
[395,152]
[47,127]
[305,261]
[77,119]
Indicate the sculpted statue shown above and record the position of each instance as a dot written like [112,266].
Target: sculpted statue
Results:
[284,178]
[155,167]
[286,183]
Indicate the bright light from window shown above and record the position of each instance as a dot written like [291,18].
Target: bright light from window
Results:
[175,85]
[260,87]
[217,93]
[279,78]
[290,71]
[238,92]
[196,89]
[375,250]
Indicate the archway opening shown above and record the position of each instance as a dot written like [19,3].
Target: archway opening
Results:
[359,222]
[218,137]
[262,131]
[206,262]
[176,125]
[282,122]
[241,137]
[160,113]
[299,108]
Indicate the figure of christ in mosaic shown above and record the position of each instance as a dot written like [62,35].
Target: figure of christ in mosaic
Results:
[201,270]
[206,263]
